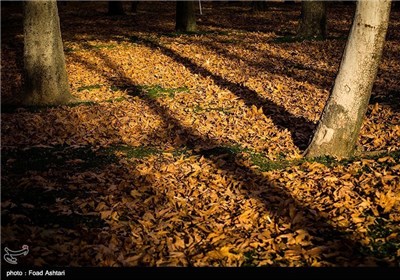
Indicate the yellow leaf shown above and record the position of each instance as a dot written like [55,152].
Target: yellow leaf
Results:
[396,167]
[101,206]
[135,193]
[375,211]
[357,219]
[215,237]
[179,243]
[245,215]
[114,216]
[254,109]
[390,159]
[346,176]
[105,214]
[225,252]
[316,251]
[392,236]
[388,177]
[331,179]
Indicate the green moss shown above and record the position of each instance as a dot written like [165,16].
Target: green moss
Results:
[394,154]
[380,229]
[325,160]
[222,150]
[199,109]
[266,164]
[114,88]
[295,39]
[69,50]
[17,161]
[134,152]
[89,87]
[194,33]
[380,246]
[99,47]
[11,108]
[229,41]
[59,156]
[249,258]
[157,91]
[117,99]
[257,159]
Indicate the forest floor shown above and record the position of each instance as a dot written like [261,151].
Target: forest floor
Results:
[186,148]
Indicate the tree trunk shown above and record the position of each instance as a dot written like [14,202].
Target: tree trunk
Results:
[341,120]
[115,8]
[134,6]
[185,17]
[45,72]
[313,20]
[258,6]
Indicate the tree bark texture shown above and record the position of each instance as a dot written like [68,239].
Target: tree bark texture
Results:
[312,20]
[45,74]
[341,120]
[185,16]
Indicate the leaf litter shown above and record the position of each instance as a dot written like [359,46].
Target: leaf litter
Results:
[172,157]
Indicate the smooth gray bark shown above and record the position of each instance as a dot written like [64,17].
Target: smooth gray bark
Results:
[341,120]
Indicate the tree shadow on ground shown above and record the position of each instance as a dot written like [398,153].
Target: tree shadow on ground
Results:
[39,202]
[255,184]
[51,159]
[243,20]
[302,72]
[90,16]
[276,199]
[299,127]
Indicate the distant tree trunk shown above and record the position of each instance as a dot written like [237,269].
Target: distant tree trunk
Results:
[341,120]
[185,16]
[62,3]
[258,6]
[313,19]
[134,6]
[45,74]
[11,4]
[115,8]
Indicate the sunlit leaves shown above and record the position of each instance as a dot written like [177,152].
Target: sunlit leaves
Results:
[196,120]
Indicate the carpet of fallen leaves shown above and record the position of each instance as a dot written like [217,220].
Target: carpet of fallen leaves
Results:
[186,148]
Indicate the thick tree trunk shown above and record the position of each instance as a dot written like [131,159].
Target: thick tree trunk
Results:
[185,16]
[312,20]
[45,72]
[115,8]
[341,120]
